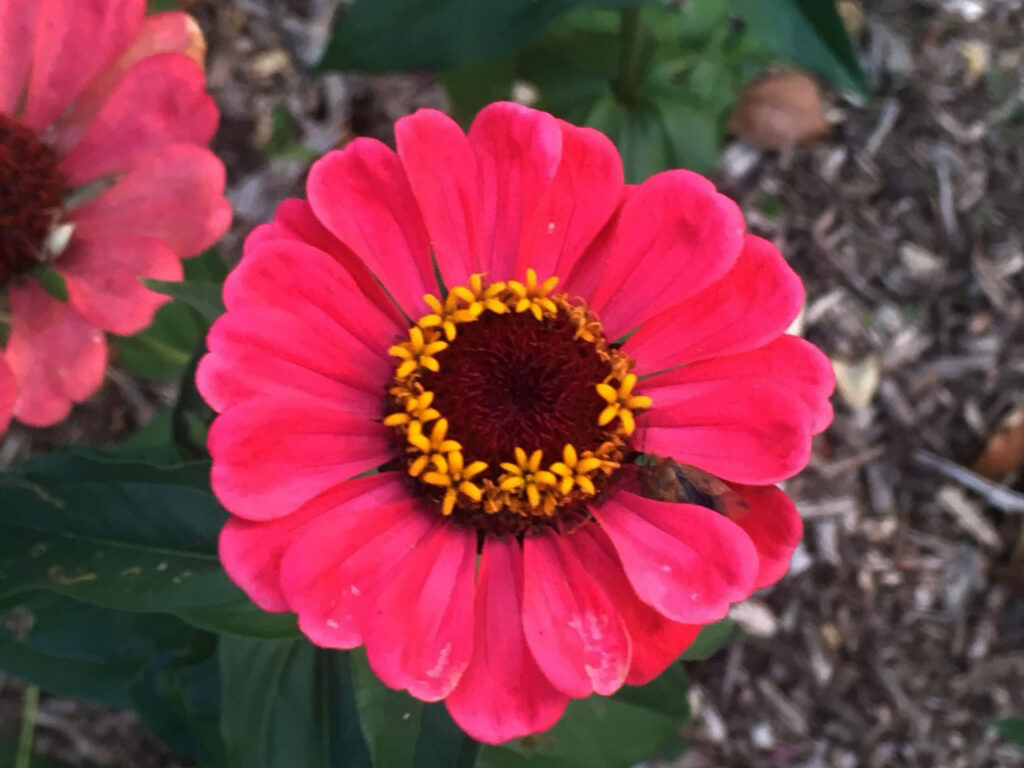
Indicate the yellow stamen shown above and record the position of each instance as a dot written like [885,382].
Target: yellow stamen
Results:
[621,403]
[452,473]
[526,476]
[418,352]
[418,407]
[574,471]
[534,297]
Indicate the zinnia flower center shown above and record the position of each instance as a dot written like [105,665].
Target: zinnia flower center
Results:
[30,197]
[512,408]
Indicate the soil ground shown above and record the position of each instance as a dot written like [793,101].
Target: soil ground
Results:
[899,633]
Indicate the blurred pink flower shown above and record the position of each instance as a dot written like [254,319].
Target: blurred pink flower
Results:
[104,177]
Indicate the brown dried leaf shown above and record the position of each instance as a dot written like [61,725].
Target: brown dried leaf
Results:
[1004,452]
[779,111]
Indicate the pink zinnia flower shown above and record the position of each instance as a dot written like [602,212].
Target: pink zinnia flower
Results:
[502,558]
[104,177]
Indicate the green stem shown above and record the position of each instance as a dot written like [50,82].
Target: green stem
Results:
[164,352]
[630,31]
[28,726]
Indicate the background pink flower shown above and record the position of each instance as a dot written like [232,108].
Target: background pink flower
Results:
[503,558]
[104,177]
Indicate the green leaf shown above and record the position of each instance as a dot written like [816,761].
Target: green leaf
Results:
[121,534]
[395,35]
[403,732]
[203,296]
[286,703]
[154,663]
[471,87]
[604,732]
[710,640]
[108,682]
[441,743]
[162,350]
[8,752]
[810,33]
[1011,729]
[65,628]
[241,617]
[691,66]
[390,720]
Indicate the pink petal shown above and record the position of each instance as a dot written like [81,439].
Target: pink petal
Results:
[251,552]
[751,305]
[361,194]
[518,151]
[272,456]
[503,694]
[8,393]
[267,353]
[571,624]
[171,32]
[772,522]
[675,236]
[744,431]
[420,635]
[333,573]
[442,171]
[580,200]
[589,270]
[17,37]
[657,641]
[294,219]
[788,361]
[686,561]
[75,39]
[57,357]
[104,285]
[309,284]
[160,101]
[175,195]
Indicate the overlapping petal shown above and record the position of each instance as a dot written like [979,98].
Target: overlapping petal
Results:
[252,551]
[503,694]
[753,303]
[657,641]
[675,235]
[175,194]
[687,561]
[17,39]
[518,151]
[57,357]
[788,362]
[104,280]
[755,432]
[362,195]
[332,574]
[271,456]
[420,633]
[773,524]
[8,393]
[160,101]
[571,624]
[74,40]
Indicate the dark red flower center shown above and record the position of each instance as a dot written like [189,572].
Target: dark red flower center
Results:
[509,380]
[30,197]
[511,408]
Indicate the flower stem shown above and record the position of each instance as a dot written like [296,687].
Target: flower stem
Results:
[23,759]
[630,31]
